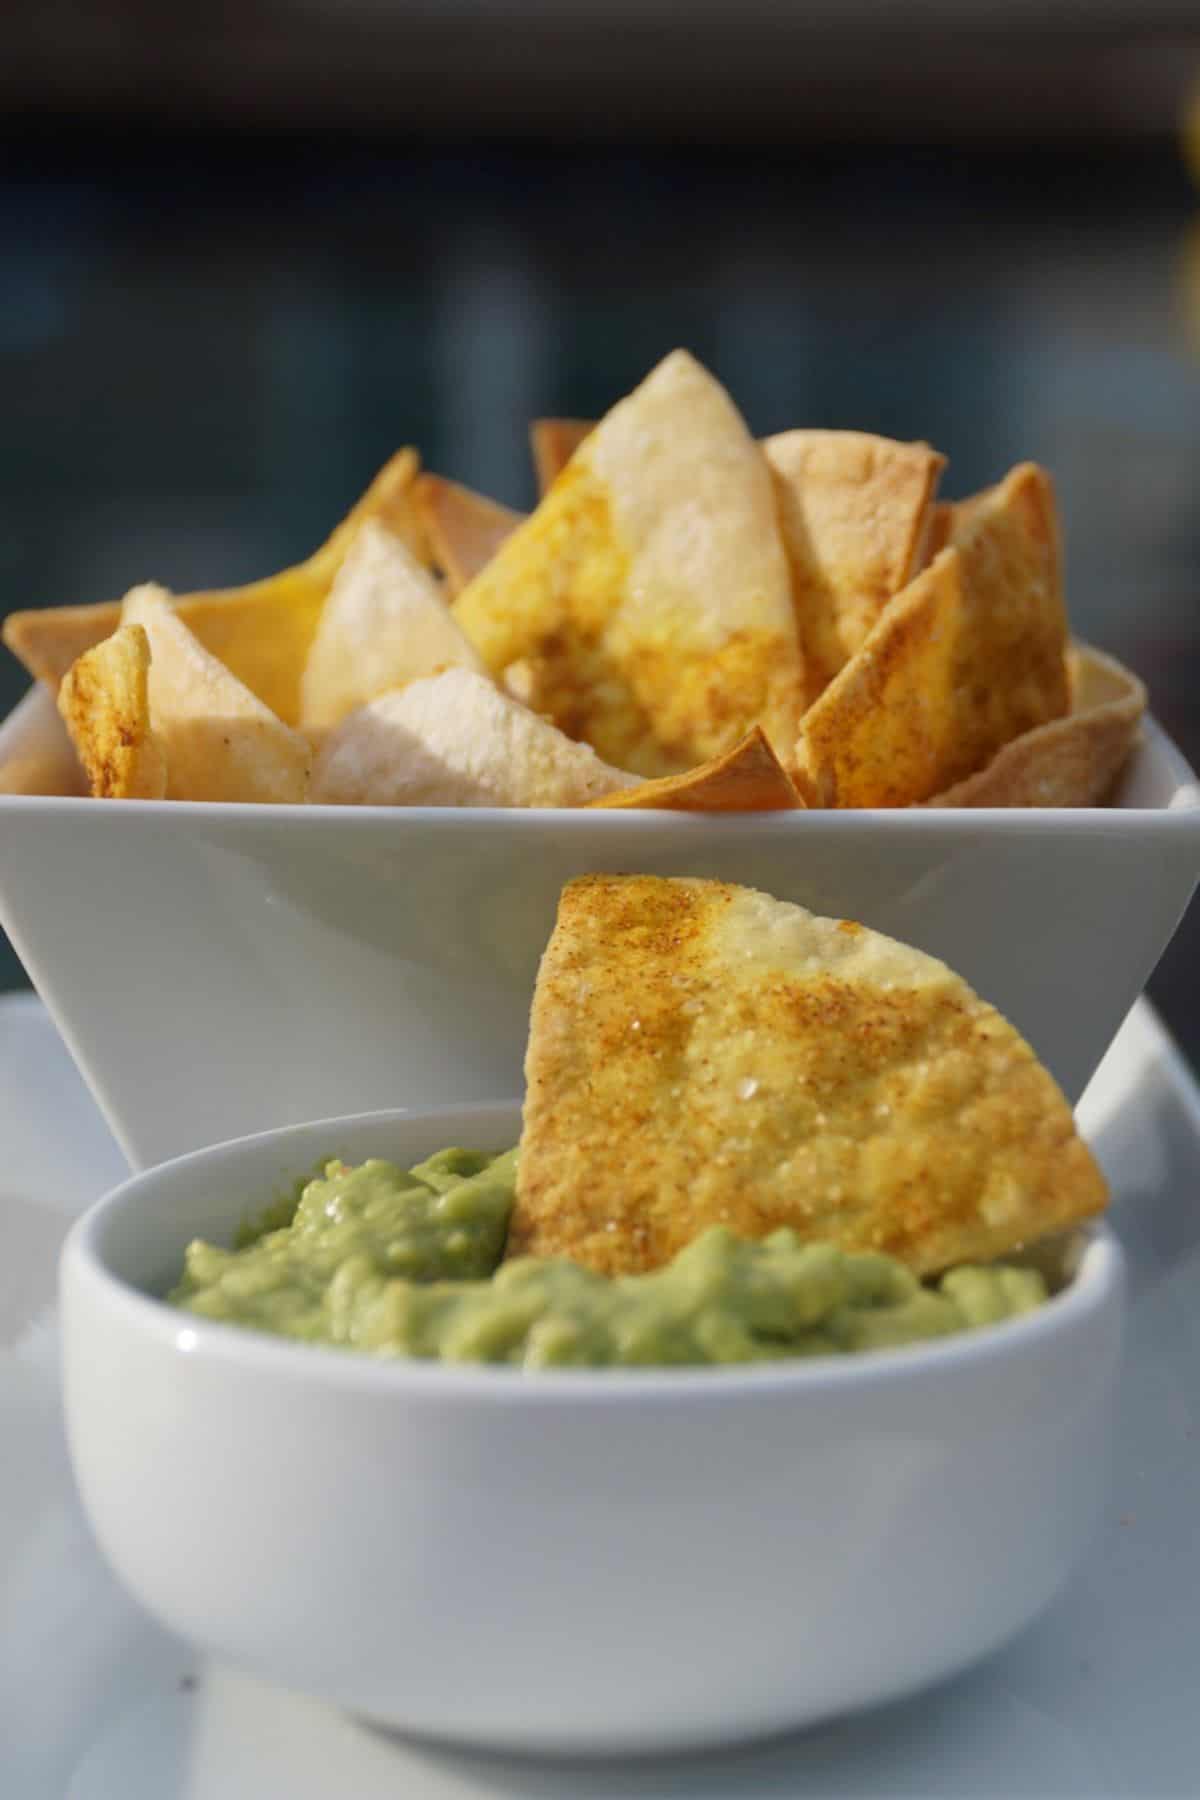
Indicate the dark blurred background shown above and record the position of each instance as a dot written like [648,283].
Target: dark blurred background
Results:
[246,251]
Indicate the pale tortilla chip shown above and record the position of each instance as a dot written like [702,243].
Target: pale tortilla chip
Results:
[756,1067]
[464,530]
[261,632]
[1073,761]
[553,443]
[45,774]
[855,512]
[384,623]
[748,778]
[455,740]
[645,607]
[221,742]
[104,701]
[970,655]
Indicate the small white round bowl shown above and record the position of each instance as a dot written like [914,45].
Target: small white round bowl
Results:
[609,1561]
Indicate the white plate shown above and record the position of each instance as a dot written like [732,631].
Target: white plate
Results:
[1098,1699]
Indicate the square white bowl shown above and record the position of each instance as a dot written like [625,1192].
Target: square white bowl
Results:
[220,969]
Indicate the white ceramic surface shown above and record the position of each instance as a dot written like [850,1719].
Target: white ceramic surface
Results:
[300,961]
[616,1560]
[1096,1701]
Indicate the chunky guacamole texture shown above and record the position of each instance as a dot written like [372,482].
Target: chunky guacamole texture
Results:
[408,1263]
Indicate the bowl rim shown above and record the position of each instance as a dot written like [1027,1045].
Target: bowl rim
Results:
[1182,815]
[1096,1285]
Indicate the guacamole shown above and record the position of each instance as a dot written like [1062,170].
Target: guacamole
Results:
[407,1263]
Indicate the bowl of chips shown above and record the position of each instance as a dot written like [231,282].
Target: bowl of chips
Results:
[681,1480]
[303,839]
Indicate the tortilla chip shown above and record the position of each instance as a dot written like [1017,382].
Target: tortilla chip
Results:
[645,607]
[105,704]
[464,530]
[390,502]
[261,632]
[941,524]
[855,511]
[760,1067]
[43,774]
[455,740]
[554,442]
[1073,761]
[748,778]
[383,624]
[221,742]
[971,655]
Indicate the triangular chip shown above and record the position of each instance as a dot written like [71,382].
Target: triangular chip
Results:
[1073,761]
[455,740]
[748,778]
[855,511]
[464,529]
[757,1066]
[384,623]
[969,656]
[553,443]
[104,700]
[645,607]
[221,742]
[261,632]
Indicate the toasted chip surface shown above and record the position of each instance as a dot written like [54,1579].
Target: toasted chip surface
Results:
[646,605]
[748,778]
[384,623]
[221,742]
[855,512]
[968,657]
[759,1066]
[261,632]
[104,701]
[1008,538]
[553,443]
[1073,761]
[464,530]
[455,740]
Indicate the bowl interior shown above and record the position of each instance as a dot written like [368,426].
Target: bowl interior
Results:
[136,1237]
[1156,776]
[139,1234]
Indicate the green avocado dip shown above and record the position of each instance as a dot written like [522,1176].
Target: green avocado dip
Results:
[407,1263]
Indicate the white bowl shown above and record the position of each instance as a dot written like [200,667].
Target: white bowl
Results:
[588,1561]
[217,969]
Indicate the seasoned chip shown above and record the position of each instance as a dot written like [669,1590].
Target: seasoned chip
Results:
[455,740]
[464,530]
[105,704]
[970,655]
[645,606]
[261,632]
[748,778]
[855,512]
[758,1067]
[221,742]
[383,624]
[941,524]
[554,442]
[1073,761]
